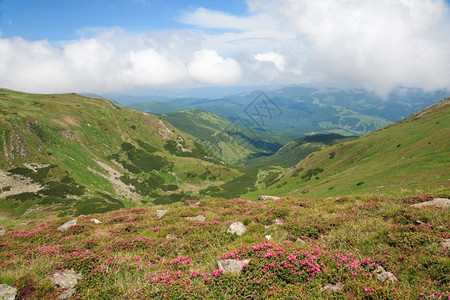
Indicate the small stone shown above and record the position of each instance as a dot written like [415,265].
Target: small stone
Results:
[66,280]
[265,197]
[333,287]
[200,218]
[171,236]
[302,241]
[2,231]
[67,225]
[278,222]
[160,213]
[237,228]
[441,202]
[383,275]
[96,221]
[446,243]
[268,237]
[232,265]
[7,292]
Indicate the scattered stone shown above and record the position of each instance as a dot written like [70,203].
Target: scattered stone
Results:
[441,202]
[383,276]
[160,213]
[7,292]
[333,287]
[278,222]
[237,228]
[65,280]
[200,218]
[2,231]
[171,236]
[232,265]
[96,221]
[268,198]
[301,241]
[446,243]
[268,237]
[417,222]
[67,225]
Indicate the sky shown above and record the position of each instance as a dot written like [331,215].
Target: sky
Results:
[102,46]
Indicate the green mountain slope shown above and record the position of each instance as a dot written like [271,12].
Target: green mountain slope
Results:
[80,155]
[293,152]
[410,157]
[229,141]
[156,107]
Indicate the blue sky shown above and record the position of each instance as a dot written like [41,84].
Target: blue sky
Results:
[116,45]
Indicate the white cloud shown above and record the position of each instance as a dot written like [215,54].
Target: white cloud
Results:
[209,67]
[377,44]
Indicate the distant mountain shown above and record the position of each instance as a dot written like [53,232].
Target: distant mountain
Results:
[76,155]
[229,141]
[406,158]
[295,111]
[156,107]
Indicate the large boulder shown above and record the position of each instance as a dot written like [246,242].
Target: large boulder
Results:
[7,292]
[66,281]
[383,275]
[266,197]
[66,225]
[441,202]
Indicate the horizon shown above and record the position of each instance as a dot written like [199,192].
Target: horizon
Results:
[139,45]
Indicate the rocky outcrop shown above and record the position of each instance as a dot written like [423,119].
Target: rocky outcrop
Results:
[268,198]
[160,213]
[333,287]
[66,225]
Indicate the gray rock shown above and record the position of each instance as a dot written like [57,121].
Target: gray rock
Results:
[237,228]
[160,213]
[383,275]
[67,225]
[65,280]
[2,231]
[441,202]
[278,222]
[446,243]
[96,221]
[200,218]
[7,292]
[171,236]
[333,287]
[265,197]
[232,265]
[302,241]
[268,237]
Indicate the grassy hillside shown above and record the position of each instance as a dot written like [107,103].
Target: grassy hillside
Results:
[294,247]
[82,155]
[406,158]
[231,142]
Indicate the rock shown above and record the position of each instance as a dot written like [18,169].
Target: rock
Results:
[278,222]
[237,228]
[96,221]
[200,218]
[268,198]
[446,243]
[65,280]
[2,231]
[301,241]
[232,265]
[441,202]
[171,236]
[7,292]
[160,213]
[333,287]
[268,237]
[383,276]
[67,225]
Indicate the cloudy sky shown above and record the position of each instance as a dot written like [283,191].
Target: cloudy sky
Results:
[121,45]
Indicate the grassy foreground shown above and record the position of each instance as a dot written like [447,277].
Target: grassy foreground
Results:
[312,244]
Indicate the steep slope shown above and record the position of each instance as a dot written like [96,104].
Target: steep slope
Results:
[229,141]
[409,157]
[81,155]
